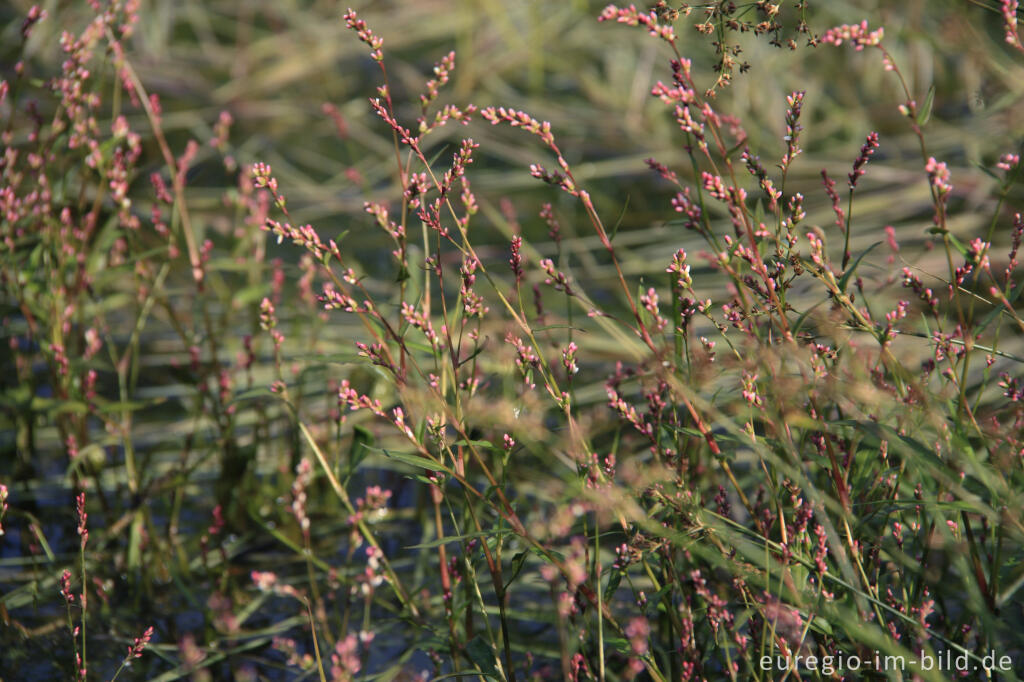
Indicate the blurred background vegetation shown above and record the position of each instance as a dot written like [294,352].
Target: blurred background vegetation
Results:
[275,65]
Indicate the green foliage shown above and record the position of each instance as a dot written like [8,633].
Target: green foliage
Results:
[311,387]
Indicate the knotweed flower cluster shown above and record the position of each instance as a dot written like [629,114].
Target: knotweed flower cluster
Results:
[1009,9]
[631,16]
[856,34]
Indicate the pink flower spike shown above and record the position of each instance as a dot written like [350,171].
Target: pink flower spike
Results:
[365,34]
[1009,11]
[137,647]
[857,34]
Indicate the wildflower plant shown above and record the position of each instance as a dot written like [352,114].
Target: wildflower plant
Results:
[793,434]
[798,553]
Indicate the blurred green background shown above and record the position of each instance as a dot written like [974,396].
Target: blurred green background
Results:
[273,65]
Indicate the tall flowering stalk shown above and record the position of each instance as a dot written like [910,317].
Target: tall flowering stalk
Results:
[866,150]
[81,665]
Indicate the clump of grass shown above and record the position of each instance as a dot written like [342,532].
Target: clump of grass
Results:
[790,441]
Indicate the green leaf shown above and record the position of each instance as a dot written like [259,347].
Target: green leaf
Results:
[412,460]
[619,644]
[471,356]
[987,171]
[957,244]
[475,443]
[37,530]
[1011,589]
[481,653]
[69,407]
[518,561]
[252,394]
[437,542]
[420,346]
[101,246]
[22,596]
[330,358]
[575,330]
[128,405]
[135,541]
[803,316]
[229,264]
[720,437]
[362,441]
[926,110]
[19,395]
[613,585]
[821,625]
[615,228]
[250,294]
[998,309]
[853,266]
[759,212]
[433,159]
